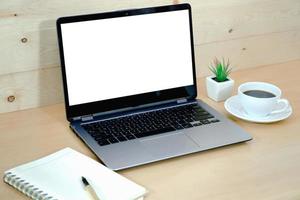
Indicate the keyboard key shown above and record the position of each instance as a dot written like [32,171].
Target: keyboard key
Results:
[201,117]
[196,123]
[187,125]
[178,127]
[103,142]
[205,122]
[214,120]
[121,138]
[97,134]
[100,137]
[189,120]
[113,140]
[130,137]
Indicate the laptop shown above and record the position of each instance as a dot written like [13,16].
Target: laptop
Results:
[130,90]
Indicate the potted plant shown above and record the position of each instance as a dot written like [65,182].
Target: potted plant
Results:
[219,86]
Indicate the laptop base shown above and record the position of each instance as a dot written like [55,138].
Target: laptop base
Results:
[167,145]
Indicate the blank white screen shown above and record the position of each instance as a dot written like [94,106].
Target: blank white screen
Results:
[124,56]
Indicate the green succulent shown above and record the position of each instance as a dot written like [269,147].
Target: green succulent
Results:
[220,69]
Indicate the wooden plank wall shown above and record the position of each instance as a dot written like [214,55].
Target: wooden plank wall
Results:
[250,32]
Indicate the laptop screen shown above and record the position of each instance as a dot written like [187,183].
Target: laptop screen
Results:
[125,59]
[123,56]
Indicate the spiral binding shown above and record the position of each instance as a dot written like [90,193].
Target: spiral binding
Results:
[26,188]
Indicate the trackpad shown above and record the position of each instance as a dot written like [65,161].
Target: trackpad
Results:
[169,145]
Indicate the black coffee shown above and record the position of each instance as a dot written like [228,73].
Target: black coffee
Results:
[259,94]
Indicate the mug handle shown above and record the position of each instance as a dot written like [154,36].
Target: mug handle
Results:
[286,105]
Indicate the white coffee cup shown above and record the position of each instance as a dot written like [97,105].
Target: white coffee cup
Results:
[261,106]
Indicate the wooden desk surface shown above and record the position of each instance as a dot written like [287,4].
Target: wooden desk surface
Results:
[268,167]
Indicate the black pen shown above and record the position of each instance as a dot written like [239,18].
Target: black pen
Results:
[89,188]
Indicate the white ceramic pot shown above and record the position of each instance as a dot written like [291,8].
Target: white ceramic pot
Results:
[219,91]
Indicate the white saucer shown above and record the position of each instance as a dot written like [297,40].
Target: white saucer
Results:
[233,106]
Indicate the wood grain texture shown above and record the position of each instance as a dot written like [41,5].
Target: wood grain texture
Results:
[250,52]
[265,168]
[30,89]
[217,21]
[251,33]
[213,20]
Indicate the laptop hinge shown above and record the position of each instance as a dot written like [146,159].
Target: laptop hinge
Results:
[184,100]
[86,118]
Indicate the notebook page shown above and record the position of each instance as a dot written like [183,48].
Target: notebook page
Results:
[54,174]
[60,176]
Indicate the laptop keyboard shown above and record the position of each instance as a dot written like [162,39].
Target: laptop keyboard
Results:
[149,123]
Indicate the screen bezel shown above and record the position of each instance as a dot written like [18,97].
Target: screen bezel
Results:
[188,92]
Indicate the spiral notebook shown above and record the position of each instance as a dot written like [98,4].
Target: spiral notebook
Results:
[58,177]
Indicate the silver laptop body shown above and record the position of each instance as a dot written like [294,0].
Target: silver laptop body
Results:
[121,64]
